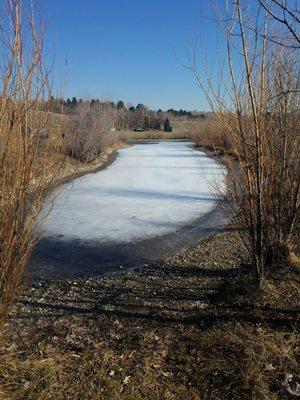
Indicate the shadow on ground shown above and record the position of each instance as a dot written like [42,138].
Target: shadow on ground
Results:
[184,289]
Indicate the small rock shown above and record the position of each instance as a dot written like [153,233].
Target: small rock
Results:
[49,349]
[126,380]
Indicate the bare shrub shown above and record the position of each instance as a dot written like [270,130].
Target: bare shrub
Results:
[26,166]
[122,118]
[209,134]
[257,106]
[90,132]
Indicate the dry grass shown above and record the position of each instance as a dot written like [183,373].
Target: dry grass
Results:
[228,361]
[55,123]
[244,362]
[237,344]
[181,129]
[148,135]
[184,128]
[210,135]
[279,288]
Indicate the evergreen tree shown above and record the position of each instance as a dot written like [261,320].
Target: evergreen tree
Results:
[120,105]
[167,127]
[74,102]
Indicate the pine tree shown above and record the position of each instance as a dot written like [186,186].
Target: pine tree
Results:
[167,127]
[120,105]
[74,102]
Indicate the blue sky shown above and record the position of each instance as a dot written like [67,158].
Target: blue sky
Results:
[128,49]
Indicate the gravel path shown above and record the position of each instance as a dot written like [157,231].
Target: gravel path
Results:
[76,314]
[185,290]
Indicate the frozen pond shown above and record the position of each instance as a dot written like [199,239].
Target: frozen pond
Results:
[149,191]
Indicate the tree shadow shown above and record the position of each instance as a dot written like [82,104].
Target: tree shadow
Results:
[160,296]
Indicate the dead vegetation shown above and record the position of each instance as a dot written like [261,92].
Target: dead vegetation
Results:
[153,135]
[226,362]
[26,165]
[191,327]
[256,107]
[209,135]
[36,147]
[90,131]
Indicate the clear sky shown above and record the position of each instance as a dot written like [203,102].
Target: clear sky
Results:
[129,50]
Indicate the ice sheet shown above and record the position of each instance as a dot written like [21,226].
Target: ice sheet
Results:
[149,190]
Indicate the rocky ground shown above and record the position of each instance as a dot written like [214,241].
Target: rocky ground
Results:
[192,326]
[173,290]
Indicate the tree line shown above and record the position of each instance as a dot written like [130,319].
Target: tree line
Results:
[138,117]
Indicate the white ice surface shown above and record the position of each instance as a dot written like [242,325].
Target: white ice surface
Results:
[149,190]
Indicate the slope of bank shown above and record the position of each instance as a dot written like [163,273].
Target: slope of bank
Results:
[72,169]
[191,326]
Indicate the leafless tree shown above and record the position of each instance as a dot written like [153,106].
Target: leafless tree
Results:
[122,119]
[91,131]
[282,12]
[256,103]
[26,163]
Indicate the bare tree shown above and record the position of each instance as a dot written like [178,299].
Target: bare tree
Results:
[91,131]
[122,118]
[26,162]
[257,105]
[288,17]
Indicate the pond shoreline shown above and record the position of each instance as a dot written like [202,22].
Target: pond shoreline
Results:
[102,162]
[91,258]
[111,154]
